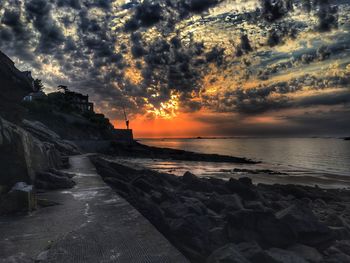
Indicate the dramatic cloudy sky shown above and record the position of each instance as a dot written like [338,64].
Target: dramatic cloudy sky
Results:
[193,67]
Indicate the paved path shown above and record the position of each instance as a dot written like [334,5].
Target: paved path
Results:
[93,224]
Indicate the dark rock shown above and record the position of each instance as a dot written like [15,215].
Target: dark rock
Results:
[310,231]
[194,183]
[335,255]
[143,151]
[183,208]
[242,189]
[21,198]
[122,187]
[343,246]
[44,134]
[51,181]
[263,227]
[217,238]
[22,155]
[3,189]
[309,253]
[255,205]
[218,203]
[284,256]
[200,215]
[65,162]
[254,253]
[61,173]
[227,254]
[143,185]
[340,233]
[190,233]
[245,180]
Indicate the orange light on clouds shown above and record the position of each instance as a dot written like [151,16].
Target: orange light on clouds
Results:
[183,125]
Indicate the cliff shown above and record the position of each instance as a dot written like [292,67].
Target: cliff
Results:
[15,85]
[22,155]
[26,148]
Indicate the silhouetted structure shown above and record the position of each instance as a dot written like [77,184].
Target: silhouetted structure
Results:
[35,96]
[79,101]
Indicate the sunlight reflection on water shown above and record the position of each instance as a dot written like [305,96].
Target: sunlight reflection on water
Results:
[307,161]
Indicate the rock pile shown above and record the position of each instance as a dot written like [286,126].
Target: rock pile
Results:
[211,220]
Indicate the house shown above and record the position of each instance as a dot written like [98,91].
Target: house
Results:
[79,101]
[35,96]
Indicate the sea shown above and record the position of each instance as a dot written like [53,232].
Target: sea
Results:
[324,162]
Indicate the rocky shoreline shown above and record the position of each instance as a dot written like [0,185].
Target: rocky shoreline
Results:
[138,150]
[211,220]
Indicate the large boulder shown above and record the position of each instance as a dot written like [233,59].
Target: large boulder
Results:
[21,198]
[260,226]
[242,188]
[254,253]
[227,254]
[284,256]
[309,253]
[43,133]
[218,203]
[22,155]
[310,231]
[53,180]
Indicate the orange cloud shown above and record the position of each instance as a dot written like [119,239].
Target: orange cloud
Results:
[183,125]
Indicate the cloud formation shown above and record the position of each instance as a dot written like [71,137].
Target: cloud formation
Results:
[156,57]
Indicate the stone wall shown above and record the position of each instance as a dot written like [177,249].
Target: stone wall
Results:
[123,135]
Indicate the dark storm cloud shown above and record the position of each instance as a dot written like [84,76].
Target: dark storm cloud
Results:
[146,14]
[327,15]
[276,96]
[308,123]
[272,10]
[69,3]
[322,122]
[150,12]
[216,55]
[14,33]
[335,98]
[51,36]
[244,47]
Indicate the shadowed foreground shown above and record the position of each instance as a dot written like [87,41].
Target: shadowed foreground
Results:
[92,224]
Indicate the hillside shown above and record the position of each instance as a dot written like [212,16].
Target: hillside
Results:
[14,86]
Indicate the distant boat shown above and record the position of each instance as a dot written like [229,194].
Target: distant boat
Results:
[347,139]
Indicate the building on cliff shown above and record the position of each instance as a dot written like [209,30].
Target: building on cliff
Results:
[35,96]
[79,101]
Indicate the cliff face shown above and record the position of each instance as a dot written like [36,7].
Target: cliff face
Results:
[32,148]
[14,85]
[22,155]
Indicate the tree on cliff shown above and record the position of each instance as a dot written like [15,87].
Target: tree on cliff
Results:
[38,85]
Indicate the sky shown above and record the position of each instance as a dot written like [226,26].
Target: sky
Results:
[188,68]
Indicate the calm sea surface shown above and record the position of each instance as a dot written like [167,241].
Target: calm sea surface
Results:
[325,162]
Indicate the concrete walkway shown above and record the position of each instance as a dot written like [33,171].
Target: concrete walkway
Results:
[92,224]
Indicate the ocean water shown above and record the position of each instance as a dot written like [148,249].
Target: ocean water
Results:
[309,161]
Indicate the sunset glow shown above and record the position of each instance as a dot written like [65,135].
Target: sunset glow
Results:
[239,65]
